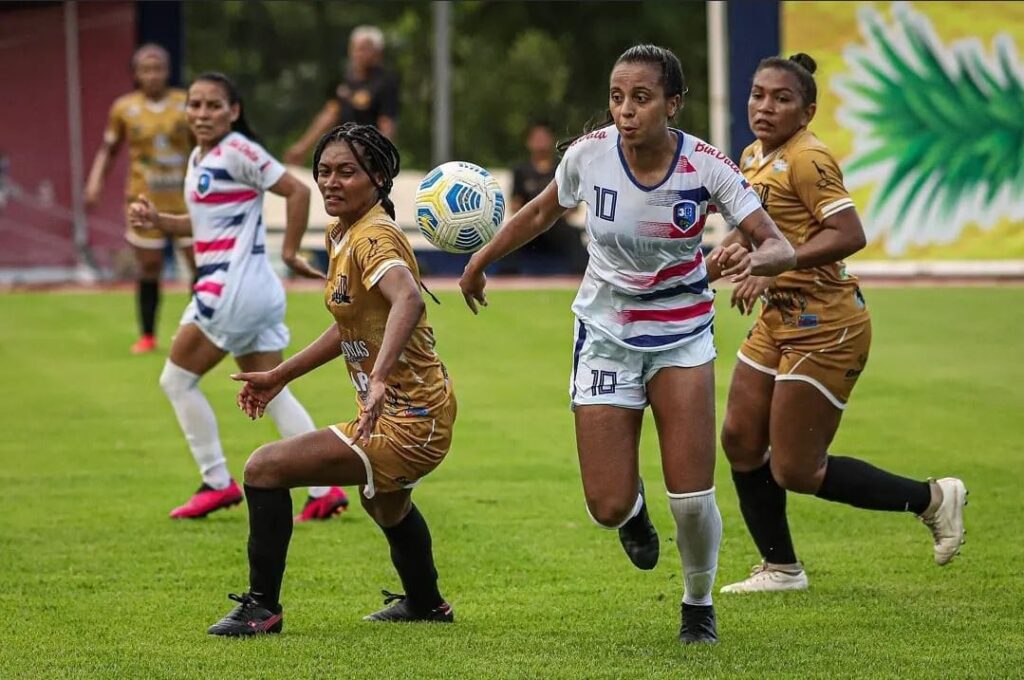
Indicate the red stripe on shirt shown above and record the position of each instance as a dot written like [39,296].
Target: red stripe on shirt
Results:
[678,314]
[226,197]
[208,287]
[210,246]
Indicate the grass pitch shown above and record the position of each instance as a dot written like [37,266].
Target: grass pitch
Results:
[97,582]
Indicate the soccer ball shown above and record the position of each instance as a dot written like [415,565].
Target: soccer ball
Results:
[459,207]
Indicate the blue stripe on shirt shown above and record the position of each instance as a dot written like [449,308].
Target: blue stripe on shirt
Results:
[660,340]
[691,288]
[208,269]
[204,310]
[231,221]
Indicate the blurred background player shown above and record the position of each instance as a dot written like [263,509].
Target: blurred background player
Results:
[560,249]
[406,404]
[151,119]
[238,302]
[644,312]
[368,94]
[808,347]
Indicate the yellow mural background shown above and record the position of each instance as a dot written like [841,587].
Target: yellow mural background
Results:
[824,29]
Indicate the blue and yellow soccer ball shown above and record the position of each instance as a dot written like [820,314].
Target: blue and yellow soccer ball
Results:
[459,207]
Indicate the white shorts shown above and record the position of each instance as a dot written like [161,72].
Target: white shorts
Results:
[605,372]
[272,338]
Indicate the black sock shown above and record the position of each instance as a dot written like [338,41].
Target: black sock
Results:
[149,300]
[763,504]
[270,530]
[413,559]
[856,483]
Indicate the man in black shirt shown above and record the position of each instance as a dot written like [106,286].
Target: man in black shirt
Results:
[368,95]
[559,249]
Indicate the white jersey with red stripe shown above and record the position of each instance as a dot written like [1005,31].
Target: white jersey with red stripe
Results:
[646,285]
[237,290]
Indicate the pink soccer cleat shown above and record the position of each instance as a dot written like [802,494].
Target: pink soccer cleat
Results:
[207,500]
[144,345]
[330,504]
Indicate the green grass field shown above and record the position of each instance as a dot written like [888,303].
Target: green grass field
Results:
[97,582]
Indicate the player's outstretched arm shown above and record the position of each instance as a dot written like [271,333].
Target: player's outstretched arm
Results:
[772,255]
[261,387]
[399,288]
[296,198]
[533,219]
[143,214]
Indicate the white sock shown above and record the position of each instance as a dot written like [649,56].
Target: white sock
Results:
[291,419]
[637,506]
[197,423]
[698,535]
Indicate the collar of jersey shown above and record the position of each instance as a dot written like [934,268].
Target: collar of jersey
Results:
[369,216]
[761,160]
[680,136]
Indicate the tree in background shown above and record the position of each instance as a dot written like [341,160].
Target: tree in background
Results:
[511,62]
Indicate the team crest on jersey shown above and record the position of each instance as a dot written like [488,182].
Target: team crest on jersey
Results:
[204,183]
[685,214]
[340,295]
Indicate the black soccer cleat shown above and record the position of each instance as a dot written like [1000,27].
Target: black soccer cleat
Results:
[249,618]
[403,610]
[699,626]
[639,538]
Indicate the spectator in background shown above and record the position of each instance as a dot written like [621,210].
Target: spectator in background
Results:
[368,95]
[561,248]
[151,121]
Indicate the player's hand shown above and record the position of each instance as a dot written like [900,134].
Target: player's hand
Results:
[734,261]
[295,155]
[472,283]
[302,267]
[746,293]
[370,410]
[142,214]
[259,389]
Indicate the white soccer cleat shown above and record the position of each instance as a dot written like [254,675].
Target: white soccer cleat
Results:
[765,578]
[946,522]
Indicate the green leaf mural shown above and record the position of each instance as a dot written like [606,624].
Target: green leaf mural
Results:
[938,130]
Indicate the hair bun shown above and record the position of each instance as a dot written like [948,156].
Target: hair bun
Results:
[806,61]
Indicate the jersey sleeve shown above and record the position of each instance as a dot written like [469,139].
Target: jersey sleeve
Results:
[729,189]
[567,177]
[113,134]
[376,252]
[249,163]
[817,180]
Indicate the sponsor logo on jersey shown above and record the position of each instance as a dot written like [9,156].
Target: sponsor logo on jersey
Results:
[355,350]
[715,153]
[204,183]
[244,149]
[807,321]
[780,165]
[340,295]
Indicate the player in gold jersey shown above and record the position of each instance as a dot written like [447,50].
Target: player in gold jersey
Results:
[151,120]
[808,346]
[405,399]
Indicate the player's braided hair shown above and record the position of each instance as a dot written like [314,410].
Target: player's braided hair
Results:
[800,65]
[374,152]
[672,80]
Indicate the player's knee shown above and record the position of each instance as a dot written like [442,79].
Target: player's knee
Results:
[260,470]
[742,448]
[385,515]
[795,477]
[610,512]
[175,381]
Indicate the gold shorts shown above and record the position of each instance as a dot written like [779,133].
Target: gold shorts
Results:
[151,239]
[829,359]
[401,452]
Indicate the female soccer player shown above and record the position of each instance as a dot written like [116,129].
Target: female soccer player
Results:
[152,121]
[643,331]
[808,347]
[406,404]
[238,302]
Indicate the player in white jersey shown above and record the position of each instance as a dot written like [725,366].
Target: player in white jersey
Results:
[644,311]
[238,302]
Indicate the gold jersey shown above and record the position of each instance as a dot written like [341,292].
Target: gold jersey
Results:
[159,142]
[800,186]
[418,386]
